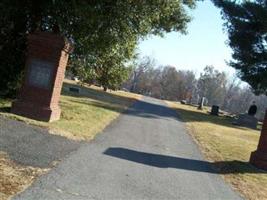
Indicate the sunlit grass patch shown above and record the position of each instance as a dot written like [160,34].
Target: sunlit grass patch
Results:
[229,145]
[84,114]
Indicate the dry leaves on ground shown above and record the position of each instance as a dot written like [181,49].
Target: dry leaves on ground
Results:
[15,178]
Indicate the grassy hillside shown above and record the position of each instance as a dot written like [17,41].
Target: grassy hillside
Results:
[84,114]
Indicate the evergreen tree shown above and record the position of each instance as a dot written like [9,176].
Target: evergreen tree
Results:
[246,23]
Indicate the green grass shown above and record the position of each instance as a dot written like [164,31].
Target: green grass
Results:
[83,115]
[228,148]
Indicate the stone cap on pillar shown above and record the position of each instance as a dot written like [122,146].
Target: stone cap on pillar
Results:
[59,41]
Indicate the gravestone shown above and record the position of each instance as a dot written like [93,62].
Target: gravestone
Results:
[252,110]
[246,120]
[74,90]
[215,110]
[39,95]
[201,103]
[258,158]
[183,101]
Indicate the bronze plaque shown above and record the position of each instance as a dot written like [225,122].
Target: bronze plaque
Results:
[40,74]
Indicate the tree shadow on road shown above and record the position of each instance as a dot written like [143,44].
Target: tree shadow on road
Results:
[33,146]
[164,161]
[147,109]
[155,109]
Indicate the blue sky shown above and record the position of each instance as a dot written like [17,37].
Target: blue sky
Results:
[205,43]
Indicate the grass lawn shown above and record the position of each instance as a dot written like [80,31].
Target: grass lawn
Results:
[227,147]
[83,116]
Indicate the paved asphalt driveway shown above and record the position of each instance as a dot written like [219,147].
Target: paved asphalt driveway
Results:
[33,146]
[144,154]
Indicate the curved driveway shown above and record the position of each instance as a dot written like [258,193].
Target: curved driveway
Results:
[144,154]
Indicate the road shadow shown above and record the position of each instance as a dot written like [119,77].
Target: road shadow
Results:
[163,161]
[156,109]
[115,103]
[33,146]
[140,108]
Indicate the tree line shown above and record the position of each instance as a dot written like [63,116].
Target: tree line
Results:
[166,82]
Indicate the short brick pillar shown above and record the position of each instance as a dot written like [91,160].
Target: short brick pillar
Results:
[47,57]
[258,158]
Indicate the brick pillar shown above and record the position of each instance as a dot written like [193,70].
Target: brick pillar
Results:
[258,158]
[45,68]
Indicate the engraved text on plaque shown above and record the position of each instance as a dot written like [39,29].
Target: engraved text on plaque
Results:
[40,74]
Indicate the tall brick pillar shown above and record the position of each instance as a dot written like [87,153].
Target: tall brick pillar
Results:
[258,158]
[45,67]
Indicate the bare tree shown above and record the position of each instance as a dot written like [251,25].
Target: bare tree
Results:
[166,82]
